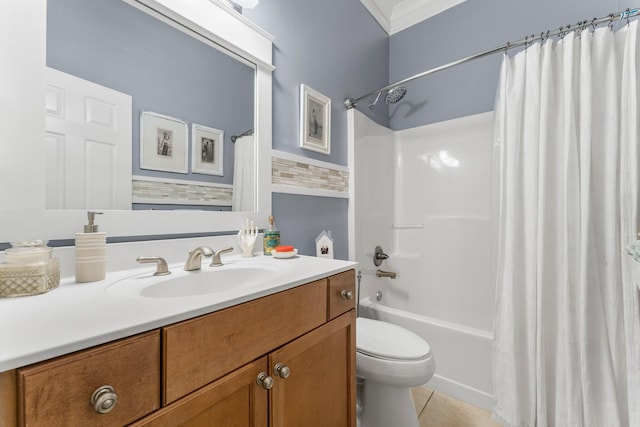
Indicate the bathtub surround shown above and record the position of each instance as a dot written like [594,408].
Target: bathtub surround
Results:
[430,211]
[567,323]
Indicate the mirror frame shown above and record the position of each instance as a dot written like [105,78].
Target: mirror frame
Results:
[23,39]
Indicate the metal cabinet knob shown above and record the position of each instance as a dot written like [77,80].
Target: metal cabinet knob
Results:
[264,380]
[104,399]
[282,371]
[346,294]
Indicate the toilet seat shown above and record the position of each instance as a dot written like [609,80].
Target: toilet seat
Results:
[387,341]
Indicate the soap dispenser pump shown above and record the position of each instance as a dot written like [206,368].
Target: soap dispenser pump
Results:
[91,252]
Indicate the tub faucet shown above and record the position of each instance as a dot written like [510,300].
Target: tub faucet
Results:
[389,274]
[194,260]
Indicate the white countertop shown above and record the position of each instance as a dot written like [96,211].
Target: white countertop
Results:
[77,316]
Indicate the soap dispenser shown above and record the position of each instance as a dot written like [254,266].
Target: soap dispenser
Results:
[91,252]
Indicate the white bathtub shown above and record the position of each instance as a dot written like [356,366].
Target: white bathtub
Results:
[462,354]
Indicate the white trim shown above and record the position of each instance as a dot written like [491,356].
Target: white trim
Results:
[178,181]
[219,23]
[306,191]
[400,15]
[462,392]
[411,12]
[351,161]
[301,159]
[246,21]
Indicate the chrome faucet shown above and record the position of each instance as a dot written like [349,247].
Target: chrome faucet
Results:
[194,260]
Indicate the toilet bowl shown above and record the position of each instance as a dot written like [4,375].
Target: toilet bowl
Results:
[389,360]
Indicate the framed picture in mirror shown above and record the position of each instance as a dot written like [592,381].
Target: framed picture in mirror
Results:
[207,150]
[315,120]
[163,143]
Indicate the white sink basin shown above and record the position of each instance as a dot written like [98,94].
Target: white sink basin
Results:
[208,280]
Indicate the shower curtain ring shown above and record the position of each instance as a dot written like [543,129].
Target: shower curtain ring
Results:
[611,18]
[628,13]
[593,24]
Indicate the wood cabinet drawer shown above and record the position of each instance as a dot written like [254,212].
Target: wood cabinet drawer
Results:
[58,392]
[338,302]
[201,350]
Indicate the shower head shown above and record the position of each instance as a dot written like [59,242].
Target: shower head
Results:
[395,94]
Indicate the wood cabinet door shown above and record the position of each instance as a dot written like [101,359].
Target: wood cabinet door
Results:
[235,400]
[320,389]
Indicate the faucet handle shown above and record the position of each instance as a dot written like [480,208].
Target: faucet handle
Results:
[216,261]
[161,264]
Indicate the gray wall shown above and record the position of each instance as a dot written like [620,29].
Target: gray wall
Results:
[467,29]
[338,49]
[164,70]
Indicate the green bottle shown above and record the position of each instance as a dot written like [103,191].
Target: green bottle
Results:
[271,237]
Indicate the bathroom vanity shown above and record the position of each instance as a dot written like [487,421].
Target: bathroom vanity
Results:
[284,356]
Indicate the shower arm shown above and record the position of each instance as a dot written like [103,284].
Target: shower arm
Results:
[350,103]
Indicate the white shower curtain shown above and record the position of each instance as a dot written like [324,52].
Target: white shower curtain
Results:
[244,172]
[566,349]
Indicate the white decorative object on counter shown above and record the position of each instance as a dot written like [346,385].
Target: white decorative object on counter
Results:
[324,245]
[247,238]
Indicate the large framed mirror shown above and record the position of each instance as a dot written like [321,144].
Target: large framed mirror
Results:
[32,203]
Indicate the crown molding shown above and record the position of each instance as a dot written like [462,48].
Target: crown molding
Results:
[411,12]
[396,15]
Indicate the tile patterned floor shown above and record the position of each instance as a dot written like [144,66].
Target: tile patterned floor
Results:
[435,409]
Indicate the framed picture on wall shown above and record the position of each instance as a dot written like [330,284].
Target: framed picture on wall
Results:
[163,143]
[315,120]
[207,150]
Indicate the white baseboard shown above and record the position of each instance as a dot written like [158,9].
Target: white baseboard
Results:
[462,392]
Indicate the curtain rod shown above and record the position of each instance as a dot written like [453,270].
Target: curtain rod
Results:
[245,133]
[352,102]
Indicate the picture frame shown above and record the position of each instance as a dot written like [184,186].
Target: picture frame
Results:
[163,143]
[207,150]
[315,120]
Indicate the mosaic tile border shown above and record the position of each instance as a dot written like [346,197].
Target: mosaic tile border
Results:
[297,171]
[173,192]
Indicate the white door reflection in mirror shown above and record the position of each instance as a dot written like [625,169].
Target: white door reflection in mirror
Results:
[87,144]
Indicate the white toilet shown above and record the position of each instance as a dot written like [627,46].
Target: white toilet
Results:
[389,360]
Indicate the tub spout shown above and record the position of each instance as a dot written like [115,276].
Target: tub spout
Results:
[389,274]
